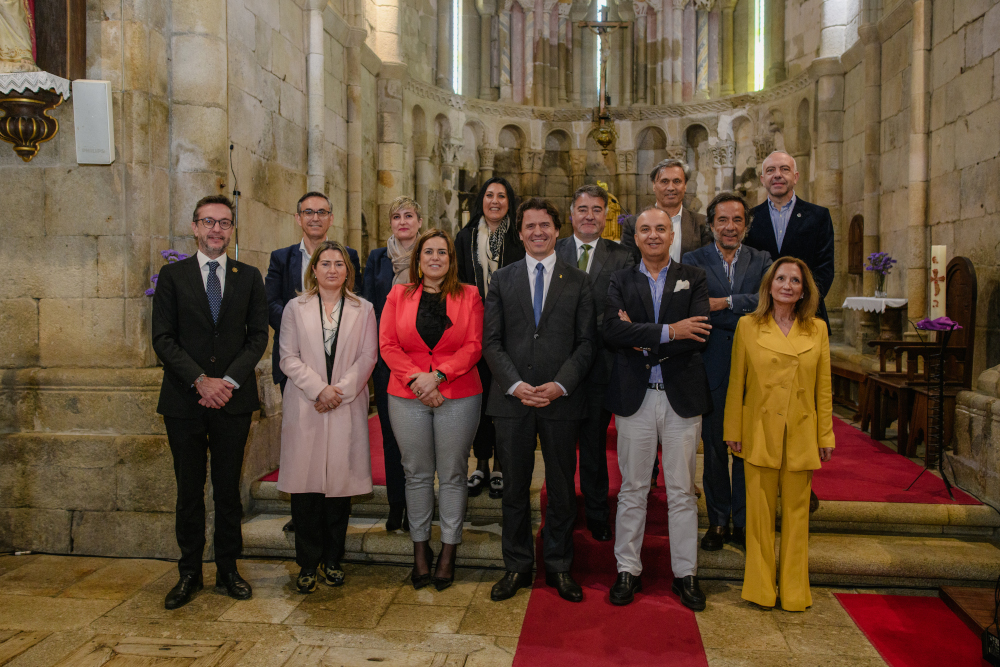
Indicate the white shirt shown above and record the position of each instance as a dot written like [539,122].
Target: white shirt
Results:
[220,271]
[306,257]
[579,251]
[675,247]
[549,263]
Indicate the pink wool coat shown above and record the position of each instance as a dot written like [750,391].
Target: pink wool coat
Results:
[326,453]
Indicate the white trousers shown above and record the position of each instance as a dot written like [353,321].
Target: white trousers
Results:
[637,438]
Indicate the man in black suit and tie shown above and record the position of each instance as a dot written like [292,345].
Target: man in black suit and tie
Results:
[285,274]
[670,179]
[656,318]
[734,272]
[599,258]
[789,226]
[539,341]
[209,330]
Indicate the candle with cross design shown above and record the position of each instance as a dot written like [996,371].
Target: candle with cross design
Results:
[939,265]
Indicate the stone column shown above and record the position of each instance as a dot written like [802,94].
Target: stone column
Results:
[539,42]
[724,158]
[775,21]
[916,231]
[562,62]
[316,76]
[422,180]
[713,52]
[444,78]
[677,48]
[389,86]
[531,167]
[628,62]
[828,181]
[577,55]
[701,54]
[727,87]
[625,179]
[486,9]
[352,73]
[873,139]
[506,85]
[529,56]
[578,168]
[486,156]
[552,48]
[641,95]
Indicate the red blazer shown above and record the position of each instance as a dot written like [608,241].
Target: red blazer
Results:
[455,355]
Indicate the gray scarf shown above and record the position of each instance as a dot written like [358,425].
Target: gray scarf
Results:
[400,260]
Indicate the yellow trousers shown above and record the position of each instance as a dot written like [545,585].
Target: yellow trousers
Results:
[762,486]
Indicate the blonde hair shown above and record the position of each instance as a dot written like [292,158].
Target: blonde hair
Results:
[309,284]
[805,308]
[403,202]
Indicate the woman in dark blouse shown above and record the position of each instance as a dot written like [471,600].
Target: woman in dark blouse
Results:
[431,337]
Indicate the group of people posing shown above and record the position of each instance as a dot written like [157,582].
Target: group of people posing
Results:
[503,339]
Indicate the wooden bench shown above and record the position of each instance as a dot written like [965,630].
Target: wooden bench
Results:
[845,373]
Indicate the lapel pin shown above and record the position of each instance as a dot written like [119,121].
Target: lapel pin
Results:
[798,215]
[560,275]
[235,270]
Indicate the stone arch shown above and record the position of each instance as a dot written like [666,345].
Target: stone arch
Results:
[556,170]
[650,149]
[701,182]
[507,163]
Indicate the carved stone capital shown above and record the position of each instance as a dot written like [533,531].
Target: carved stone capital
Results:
[531,160]
[564,9]
[680,4]
[676,153]
[449,152]
[486,156]
[723,154]
[763,146]
[704,5]
[639,8]
[626,162]
[548,5]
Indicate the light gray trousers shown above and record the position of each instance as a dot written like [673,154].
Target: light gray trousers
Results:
[435,439]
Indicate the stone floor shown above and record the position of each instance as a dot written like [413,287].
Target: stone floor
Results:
[63,610]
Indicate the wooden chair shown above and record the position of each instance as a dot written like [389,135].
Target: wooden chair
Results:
[893,391]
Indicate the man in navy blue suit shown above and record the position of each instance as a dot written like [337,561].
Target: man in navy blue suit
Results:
[285,275]
[734,272]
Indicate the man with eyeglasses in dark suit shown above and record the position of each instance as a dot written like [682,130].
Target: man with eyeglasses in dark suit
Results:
[209,330]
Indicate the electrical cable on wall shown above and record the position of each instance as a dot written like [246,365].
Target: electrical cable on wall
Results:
[236,204]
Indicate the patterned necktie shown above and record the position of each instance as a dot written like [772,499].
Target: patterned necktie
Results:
[214,289]
[584,258]
[539,291]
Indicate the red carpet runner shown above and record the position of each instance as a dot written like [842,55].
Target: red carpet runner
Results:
[914,631]
[864,469]
[654,630]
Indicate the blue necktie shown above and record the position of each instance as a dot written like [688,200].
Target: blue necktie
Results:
[539,291]
[214,289]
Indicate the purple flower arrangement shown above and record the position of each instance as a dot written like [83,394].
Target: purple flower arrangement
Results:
[171,256]
[880,263]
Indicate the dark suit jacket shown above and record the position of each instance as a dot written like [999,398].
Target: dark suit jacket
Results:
[283,282]
[809,237]
[560,349]
[750,268]
[608,258]
[469,271]
[694,233]
[684,377]
[189,343]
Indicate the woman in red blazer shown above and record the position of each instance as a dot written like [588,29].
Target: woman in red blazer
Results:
[431,337]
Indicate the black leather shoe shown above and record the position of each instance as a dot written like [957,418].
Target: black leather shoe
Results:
[739,537]
[714,538]
[568,589]
[625,588]
[509,584]
[690,592]
[235,585]
[599,529]
[289,527]
[395,520]
[813,502]
[184,591]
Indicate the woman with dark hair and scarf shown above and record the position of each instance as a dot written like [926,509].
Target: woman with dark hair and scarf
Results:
[489,242]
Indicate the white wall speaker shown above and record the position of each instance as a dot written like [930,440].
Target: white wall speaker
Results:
[94,122]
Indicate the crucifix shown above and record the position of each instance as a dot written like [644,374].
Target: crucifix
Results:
[603,28]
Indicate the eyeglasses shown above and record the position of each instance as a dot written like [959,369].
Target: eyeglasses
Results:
[308,213]
[209,223]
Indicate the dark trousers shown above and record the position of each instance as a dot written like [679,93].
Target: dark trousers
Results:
[395,479]
[516,447]
[593,454]
[722,497]
[320,528]
[484,444]
[191,440]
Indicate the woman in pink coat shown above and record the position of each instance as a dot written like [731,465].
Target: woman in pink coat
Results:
[329,344]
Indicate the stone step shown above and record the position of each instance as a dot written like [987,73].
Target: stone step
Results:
[831,517]
[834,558]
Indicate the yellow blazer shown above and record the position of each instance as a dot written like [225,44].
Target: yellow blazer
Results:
[778,382]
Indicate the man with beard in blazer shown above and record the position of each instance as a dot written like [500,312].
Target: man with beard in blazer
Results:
[209,330]
[656,318]
[539,340]
[670,180]
[734,271]
[789,226]
[599,258]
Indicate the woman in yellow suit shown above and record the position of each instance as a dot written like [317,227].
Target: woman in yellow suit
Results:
[779,418]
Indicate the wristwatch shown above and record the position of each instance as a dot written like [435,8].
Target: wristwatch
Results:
[201,378]
[440,376]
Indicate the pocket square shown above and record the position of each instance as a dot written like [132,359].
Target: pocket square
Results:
[681,285]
